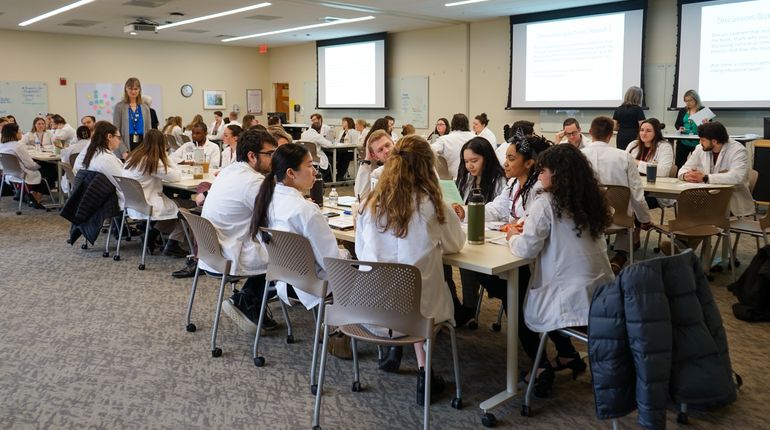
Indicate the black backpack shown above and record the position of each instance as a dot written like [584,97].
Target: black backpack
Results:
[753,289]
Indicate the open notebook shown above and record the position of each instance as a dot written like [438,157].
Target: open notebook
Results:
[342,222]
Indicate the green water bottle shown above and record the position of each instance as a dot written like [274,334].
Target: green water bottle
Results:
[476,217]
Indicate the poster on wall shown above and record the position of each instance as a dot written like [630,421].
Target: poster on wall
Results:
[99,99]
[214,99]
[254,102]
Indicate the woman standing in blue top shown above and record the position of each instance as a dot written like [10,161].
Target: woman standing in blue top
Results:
[131,116]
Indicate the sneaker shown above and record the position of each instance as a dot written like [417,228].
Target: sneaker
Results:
[269,323]
[235,314]
[392,360]
[244,313]
[437,386]
[189,269]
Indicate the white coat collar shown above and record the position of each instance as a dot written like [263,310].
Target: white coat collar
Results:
[286,190]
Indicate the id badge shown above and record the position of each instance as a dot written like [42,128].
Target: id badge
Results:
[134,138]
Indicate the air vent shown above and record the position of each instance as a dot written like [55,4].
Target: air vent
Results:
[194,31]
[80,23]
[146,3]
[263,17]
[223,36]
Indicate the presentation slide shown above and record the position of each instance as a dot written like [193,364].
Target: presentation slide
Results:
[725,53]
[583,61]
[351,73]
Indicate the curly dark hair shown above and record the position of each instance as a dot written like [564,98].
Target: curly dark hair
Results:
[575,190]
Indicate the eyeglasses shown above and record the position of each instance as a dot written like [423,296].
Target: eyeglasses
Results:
[268,153]
[572,133]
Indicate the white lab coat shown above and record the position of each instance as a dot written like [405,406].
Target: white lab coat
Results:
[229,207]
[327,132]
[500,151]
[106,163]
[28,165]
[366,179]
[614,166]
[152,185]
[220,132]
[566,271]
[46,141]
[311,135]
[499,209]
[487,134]
[66,134]
[584,141]
[177,132]
[449,146]
[499,186]
[664,158]
[228,156]
[732,167]
[290,211]
[211,150]
[362,137]
[423,247]
[75,148]
[351,137]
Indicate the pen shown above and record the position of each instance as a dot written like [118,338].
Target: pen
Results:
[347,212]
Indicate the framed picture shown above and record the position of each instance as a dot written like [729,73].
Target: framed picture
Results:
[254,102]
[214,99]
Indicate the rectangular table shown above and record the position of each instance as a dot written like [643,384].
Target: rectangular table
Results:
[188,183]
[670,188]
[491,259]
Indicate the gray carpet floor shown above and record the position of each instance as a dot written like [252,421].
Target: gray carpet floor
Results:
[88,342]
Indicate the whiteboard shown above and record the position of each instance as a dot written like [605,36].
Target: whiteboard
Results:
[23,100]
[407,98]
[99,99]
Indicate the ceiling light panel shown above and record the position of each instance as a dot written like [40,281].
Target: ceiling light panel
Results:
[305,27]
[55,12]
[215,15]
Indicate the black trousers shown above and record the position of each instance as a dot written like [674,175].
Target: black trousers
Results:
[682,152]
[343,162]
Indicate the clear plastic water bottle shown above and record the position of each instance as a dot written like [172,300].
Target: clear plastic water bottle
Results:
[38,144]
[333,197]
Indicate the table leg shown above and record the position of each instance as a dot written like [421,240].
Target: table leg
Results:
[334,165]
[512,346]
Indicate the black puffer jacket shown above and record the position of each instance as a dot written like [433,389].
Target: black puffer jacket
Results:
[656,332]
[93,200]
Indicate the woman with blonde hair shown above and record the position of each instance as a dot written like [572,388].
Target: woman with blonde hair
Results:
[174,127]
[405,220]
[197,119]
[131,116]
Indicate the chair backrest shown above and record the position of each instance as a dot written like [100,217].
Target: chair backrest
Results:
[209,249]
[133,195]
[11,166]
[73,157]
[290,259]
[442,167]
[673,171]
[618,197]
[382,294]
[171,143]
[753,177]
[703,207]
[185,138]
[69,174]
[311,147]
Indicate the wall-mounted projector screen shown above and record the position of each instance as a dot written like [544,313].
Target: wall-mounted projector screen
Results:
[583,57]
[724,53]
[351,72]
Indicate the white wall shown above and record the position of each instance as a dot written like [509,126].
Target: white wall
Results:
[46,57]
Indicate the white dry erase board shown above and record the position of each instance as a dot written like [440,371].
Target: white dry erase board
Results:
[23,100]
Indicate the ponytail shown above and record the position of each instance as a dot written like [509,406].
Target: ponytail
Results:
[261,206]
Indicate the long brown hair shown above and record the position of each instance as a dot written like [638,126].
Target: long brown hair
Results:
[410,172]
[642,152]
[132,82]
[99,140]
[149,153]
[197,119]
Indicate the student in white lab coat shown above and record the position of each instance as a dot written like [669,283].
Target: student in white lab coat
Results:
[449,146]
[100,157]
[230,206]
[522,127]
[572,134]
[190,152]
[441,129]
[230,143]
[39,134]
[721,160]
[614,166]
[479,124]
[149,164]
[281,205]
[217,126]
[378,149]
[84,138]
[11,143]
[564,234]
[174,128]
[313,134]
[405,220]
[62,131]
[324,129]
[348,135]
[362,127]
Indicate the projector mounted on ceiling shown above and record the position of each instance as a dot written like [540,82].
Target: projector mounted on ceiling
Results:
[141,24]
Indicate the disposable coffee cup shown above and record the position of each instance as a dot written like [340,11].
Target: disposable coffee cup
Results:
[652,173]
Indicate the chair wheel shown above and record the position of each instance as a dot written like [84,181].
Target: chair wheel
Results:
[488,420]
[525,411]
[314,389]
[84,246]
[259,361]
[656,250]
[356,386]
[316,427]
[191,328]
[290,338]
[18,212]
[116,257]
[128,239]
[141,267]
[48,209]
[457,403]
[216,352]
[496,327]
[105,254]
[473,325]
[681,418]
[710,278]
[104,231]
[737,263]
[716,269]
